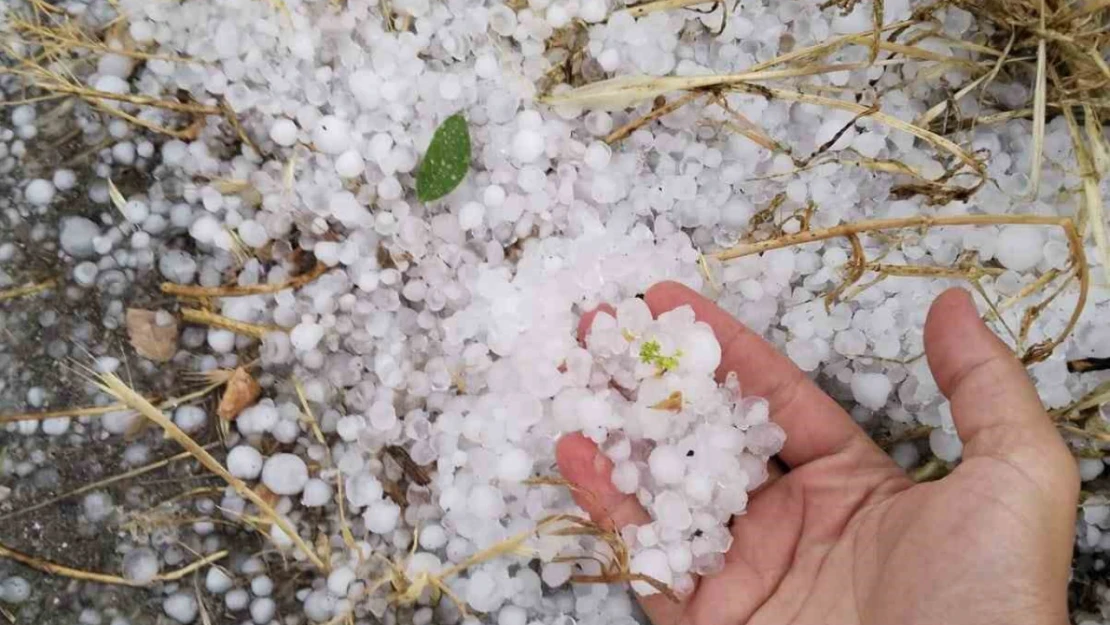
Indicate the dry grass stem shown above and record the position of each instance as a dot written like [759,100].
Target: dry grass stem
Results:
[209,318]
[51,568]
[94,411]
[27,289]
[1078,269]
[185,290]
[112,385]
[656,112]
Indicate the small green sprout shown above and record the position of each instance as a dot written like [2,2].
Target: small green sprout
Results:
[651,353]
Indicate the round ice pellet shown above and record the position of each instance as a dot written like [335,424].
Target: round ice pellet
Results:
[652,563]
[1020,247]
[39,192]
[528,145]
[140,565]
[283,132]
[180,607]
[284,474]
[666,464]
[190,418]
[945,445]
[244,462]
[331,135]
[471,215]
[349,164]
[217,581]
[871,390]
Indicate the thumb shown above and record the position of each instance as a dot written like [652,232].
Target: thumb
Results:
[590,472]
[995,406]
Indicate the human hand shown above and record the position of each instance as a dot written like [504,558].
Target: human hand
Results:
[844,537]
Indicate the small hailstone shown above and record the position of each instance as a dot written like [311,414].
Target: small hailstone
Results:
[285,474]
[626,477]
[283,132]
[221,341]
[339,580]
[905,455]
[1020,247]
[666,464]
[237,599]
[871,390]
[15,590]
[244,462]
[181,607]
[597,155]
[382,516]
[97,506]
[216,581]
[512,614]
[433,537]
[349,164]
[486,502]
[190,418]
[652,563]
[331,135]
[317,493]
[527,145]
[262,610]
[262,586]
[1090,468]
[77,236]
[140,565]
[56,426]
[64,179]
[471,215]
[39,192]
[514,465]
[555,574]
[318,606]
[305,336]
[23,115]
[945,445]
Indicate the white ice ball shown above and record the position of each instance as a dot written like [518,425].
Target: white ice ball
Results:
[39,192]
[1020,247]
[285,474]
[284,132]
[244,462]
[871,390]
[331,135]
[654,564]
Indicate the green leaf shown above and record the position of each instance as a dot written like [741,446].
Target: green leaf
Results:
[446,161]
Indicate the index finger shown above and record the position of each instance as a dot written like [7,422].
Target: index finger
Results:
[816,426]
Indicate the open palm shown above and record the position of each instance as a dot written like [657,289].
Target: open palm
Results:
[843,536]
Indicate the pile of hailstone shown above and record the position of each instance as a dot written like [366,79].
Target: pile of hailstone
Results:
[689,449]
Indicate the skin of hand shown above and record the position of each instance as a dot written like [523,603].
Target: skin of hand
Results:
[843,536]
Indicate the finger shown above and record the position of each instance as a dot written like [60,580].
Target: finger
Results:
[994,404]
[589,470]
[815,425]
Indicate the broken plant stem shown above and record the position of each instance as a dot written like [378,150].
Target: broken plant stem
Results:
[27,289]
[1078,262]
[51,568]
[657,112]
[185,290]
[861,227]
[93,411]
[208,318]
[111,384]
